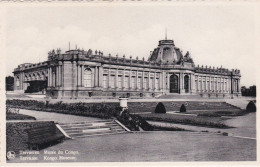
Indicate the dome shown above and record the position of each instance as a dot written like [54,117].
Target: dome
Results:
[166,52]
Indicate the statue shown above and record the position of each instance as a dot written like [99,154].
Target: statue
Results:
[89,53]
[58,51]
[137,58]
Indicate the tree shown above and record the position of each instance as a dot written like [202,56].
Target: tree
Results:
[9,83]
[160,108]
[183,108]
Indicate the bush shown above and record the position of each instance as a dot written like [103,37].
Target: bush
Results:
[183,108]
[160,108]
[107,110]
[251,107]
[133,122]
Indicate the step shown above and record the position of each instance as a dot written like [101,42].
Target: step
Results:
[105,130]
[101,134]
[87,124]
[84,122]
[94,130]
[87,127]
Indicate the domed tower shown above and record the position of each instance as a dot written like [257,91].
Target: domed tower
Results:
[166,52]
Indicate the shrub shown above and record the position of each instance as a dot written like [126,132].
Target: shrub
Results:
[133,122]
[107,110]
[251,107]
[183,108]
[160,108]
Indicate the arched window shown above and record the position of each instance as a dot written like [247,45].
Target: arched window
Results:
[186,83]
[87,77]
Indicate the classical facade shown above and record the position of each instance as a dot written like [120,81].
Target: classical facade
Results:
[82,74]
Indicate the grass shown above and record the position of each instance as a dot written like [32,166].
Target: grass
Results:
[138,107]
[14,116]
[216,122]
[217,113]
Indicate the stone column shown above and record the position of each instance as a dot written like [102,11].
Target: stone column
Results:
[96,77]
[154,81]
[148,81]
[136,79]
[210,83]
[182,83]
[123,79]
[63,74]
[108,78]
[116,79]
[82,75]
[100,76]
[78,75]
[239,88]
[130,79]
[57,76]
[142,83]
[51,77]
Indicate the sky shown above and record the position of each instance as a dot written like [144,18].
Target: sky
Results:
[215,35]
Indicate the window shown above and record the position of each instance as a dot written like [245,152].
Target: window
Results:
[145,83]
[105,77]
[157,84]
[112,81]
[87,78]
[126,81]
[119,82]
[133,83]
[151,83]
[208,85]
[196,85]
[139,82]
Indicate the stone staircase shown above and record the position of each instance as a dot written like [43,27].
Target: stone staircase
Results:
[96,128]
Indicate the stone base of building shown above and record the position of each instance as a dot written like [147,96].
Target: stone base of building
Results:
[98,92]
[84,94]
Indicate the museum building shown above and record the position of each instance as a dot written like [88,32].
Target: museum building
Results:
[83,74]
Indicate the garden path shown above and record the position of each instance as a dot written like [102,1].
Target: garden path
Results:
[57,117]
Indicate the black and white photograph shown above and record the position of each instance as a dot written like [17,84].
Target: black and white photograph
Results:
[129,82]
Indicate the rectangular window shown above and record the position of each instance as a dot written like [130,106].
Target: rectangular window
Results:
[157,83]
[133,82]
[151,83]
[208,85]
[196,85]
[112,81]
[139,82]
[145,83]
[105,83]
[119,82]
[127,82]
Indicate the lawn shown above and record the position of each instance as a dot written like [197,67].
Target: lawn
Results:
[15,116]
[217,113]
[216,122]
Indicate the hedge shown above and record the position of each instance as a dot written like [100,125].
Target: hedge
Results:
[103,110]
